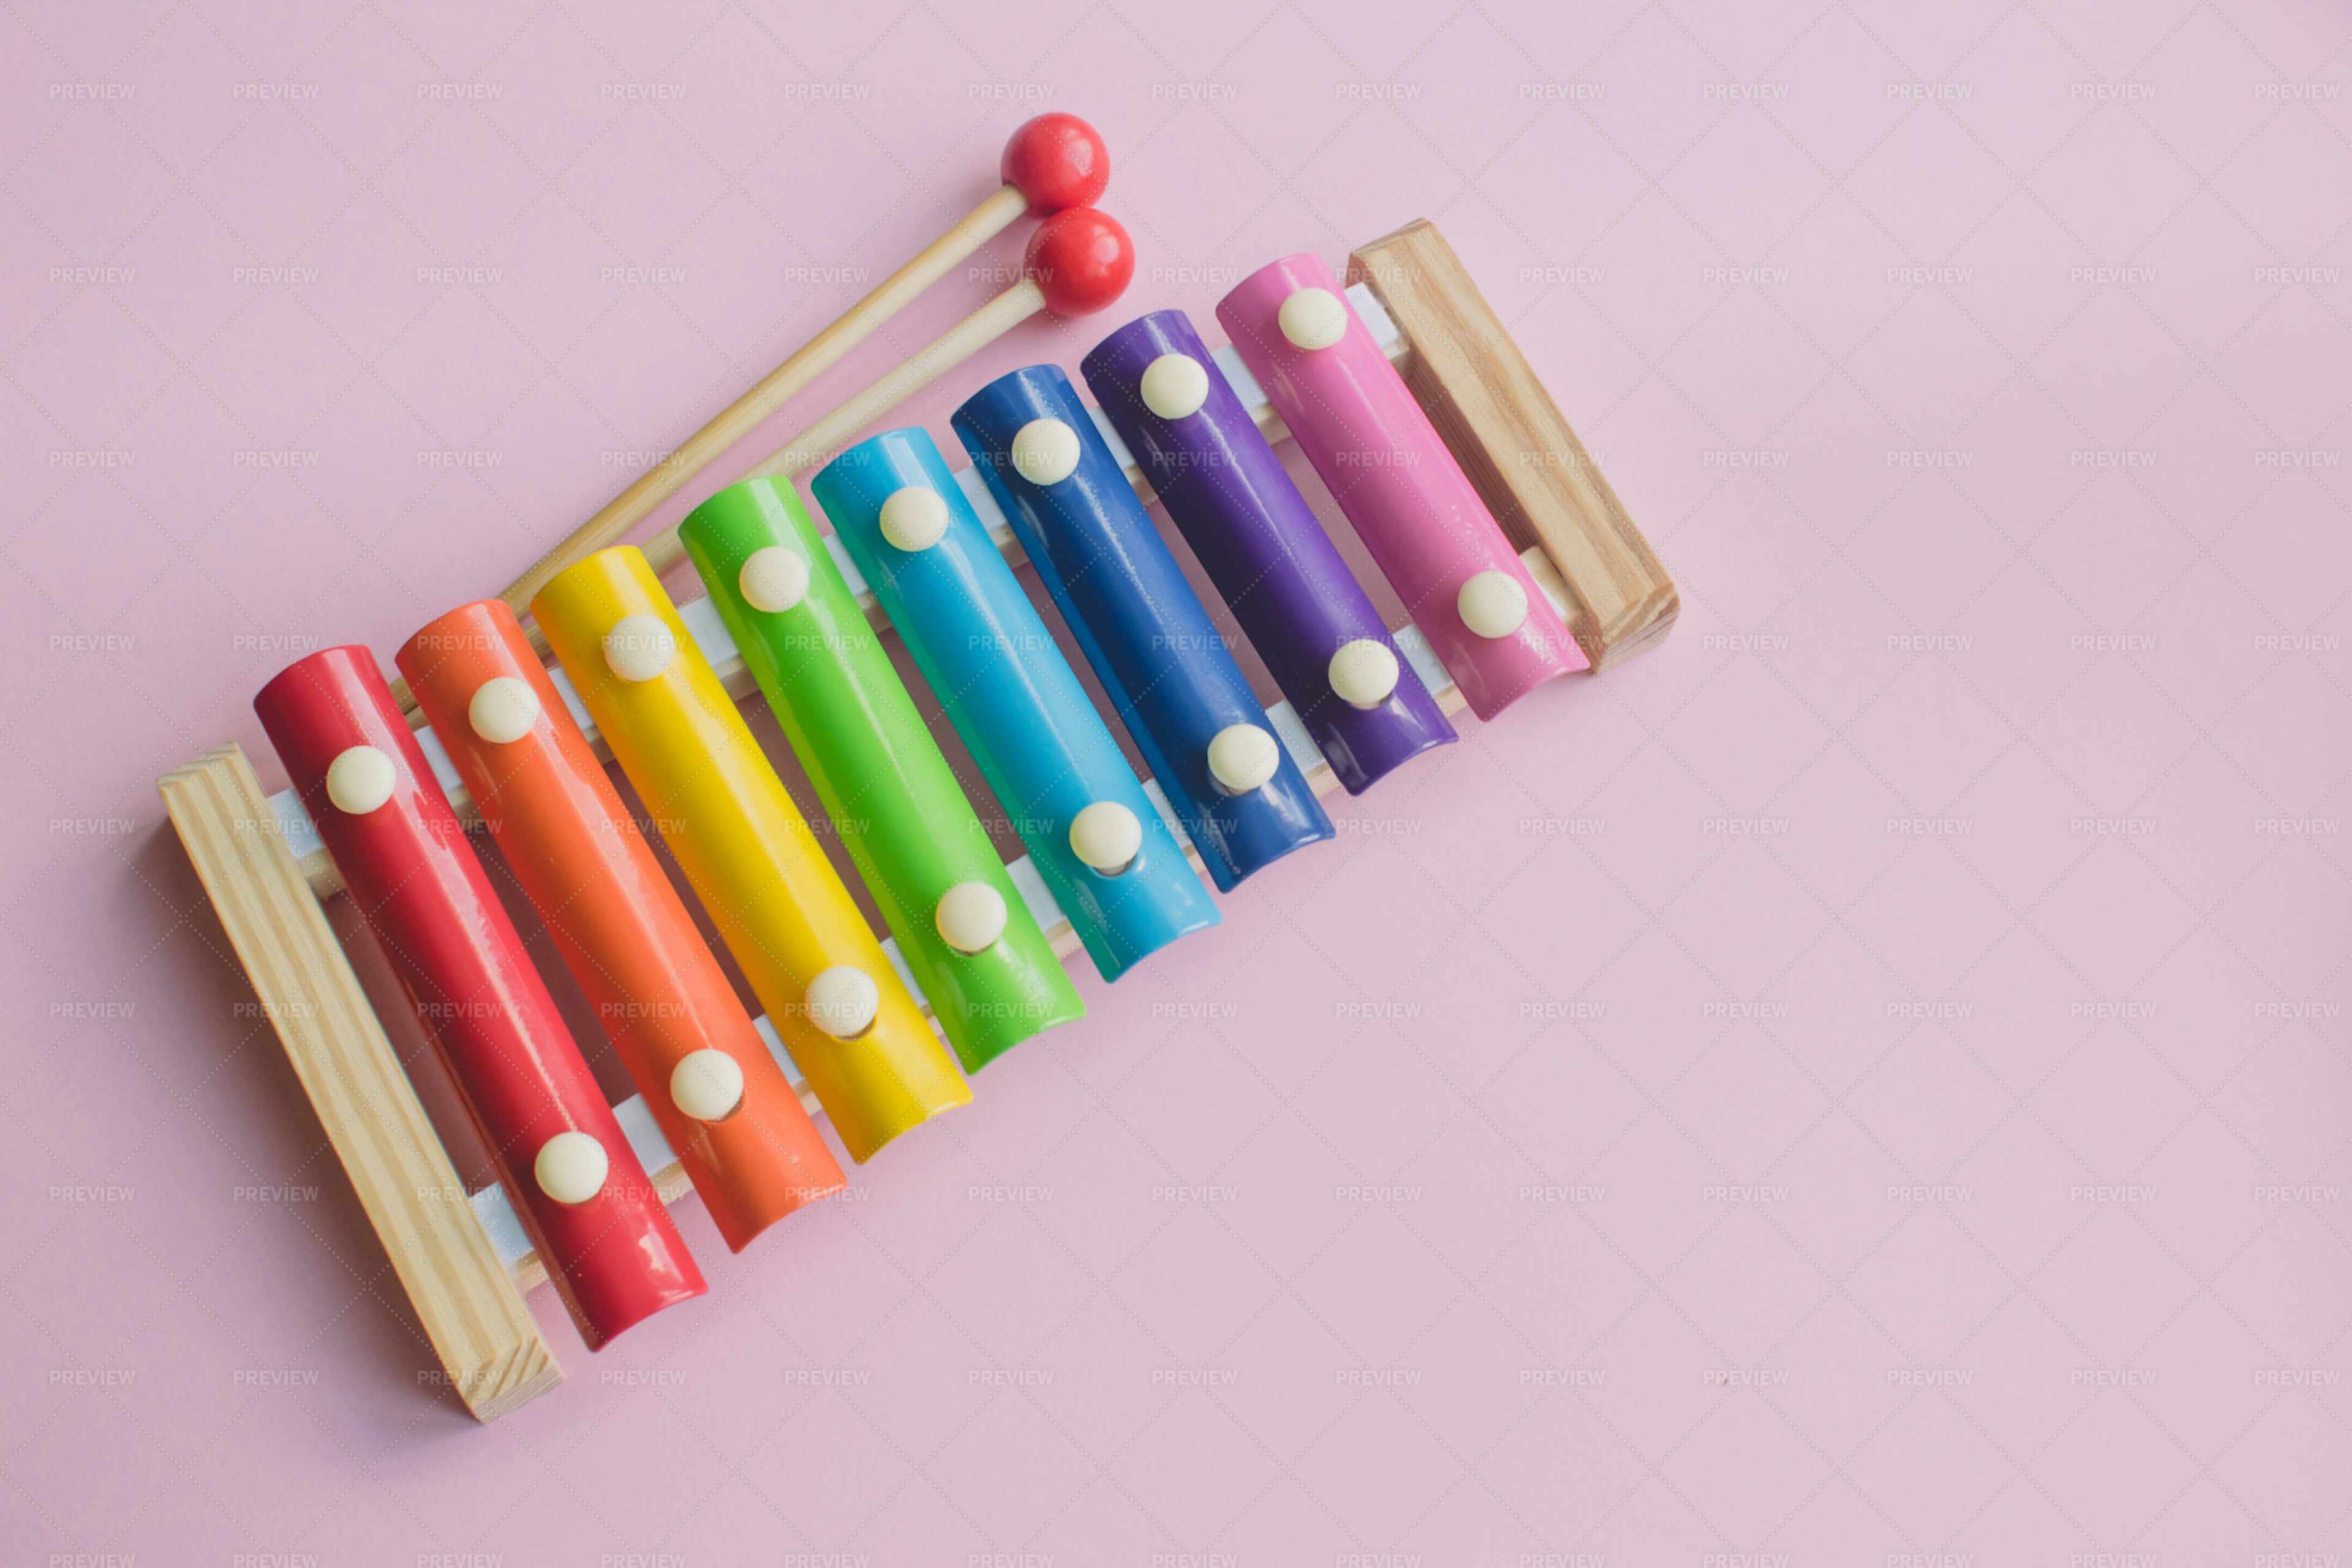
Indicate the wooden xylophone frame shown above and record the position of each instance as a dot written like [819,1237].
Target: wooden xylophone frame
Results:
[462,1257]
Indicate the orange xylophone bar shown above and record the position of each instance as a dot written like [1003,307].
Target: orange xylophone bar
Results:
[594,1216]
[719,1096]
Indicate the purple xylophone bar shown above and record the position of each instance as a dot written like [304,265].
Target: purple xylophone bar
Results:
[1257,538]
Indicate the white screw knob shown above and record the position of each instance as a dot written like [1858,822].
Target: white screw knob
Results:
[572,1167]
[639,648]
[359,780]
[915,518]
[971,917]
[844,1001]
[774,579]
[1107,836]
[1364,672]
[1493,605]
[503,710]
[1174,387]
[1046,451]
[706,1085]
[1242,757]
[1313,319]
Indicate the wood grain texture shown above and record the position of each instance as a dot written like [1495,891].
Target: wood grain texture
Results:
[1504,428]
[485,1336]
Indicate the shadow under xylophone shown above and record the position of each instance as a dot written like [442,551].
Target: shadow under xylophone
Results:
[1475,498]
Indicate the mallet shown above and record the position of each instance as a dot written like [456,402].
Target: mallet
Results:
[1078,262]
[1051,163]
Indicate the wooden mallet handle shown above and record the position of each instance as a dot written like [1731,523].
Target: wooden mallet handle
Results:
[1052,164]
[815,446]
[1078,262]
[738,419]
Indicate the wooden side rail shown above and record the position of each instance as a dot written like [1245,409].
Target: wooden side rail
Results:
[1504,428]
[470,1308]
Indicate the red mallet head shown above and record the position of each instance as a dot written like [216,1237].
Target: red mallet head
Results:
[1058,161]
[1081,260]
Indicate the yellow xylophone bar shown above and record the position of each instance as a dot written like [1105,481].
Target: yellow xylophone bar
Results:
[843,1013]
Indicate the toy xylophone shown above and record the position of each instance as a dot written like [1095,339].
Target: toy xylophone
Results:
[1408,399]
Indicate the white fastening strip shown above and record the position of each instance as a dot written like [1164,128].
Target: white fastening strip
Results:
[1375,317]
[1118,451]
[436,757]
[709,633]
[1292,732]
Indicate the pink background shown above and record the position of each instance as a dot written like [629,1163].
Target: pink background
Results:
[1633,1139]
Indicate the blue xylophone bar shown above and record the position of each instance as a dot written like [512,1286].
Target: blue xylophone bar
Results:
[1112,863]
[1166,669]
